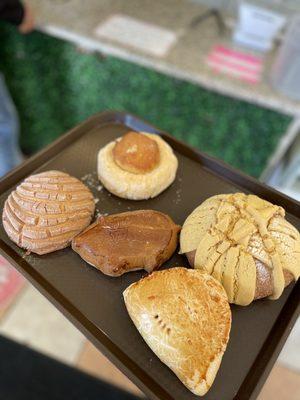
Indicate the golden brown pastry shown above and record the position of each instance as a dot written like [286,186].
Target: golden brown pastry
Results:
[129,241]
[184,317]
[244,242]
[136,153]
[46,211]
[137,166]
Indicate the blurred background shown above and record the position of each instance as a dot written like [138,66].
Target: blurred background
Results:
[222,76]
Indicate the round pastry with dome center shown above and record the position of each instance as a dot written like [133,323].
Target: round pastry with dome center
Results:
[137,166]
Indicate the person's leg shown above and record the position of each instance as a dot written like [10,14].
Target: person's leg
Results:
[26,374]
[10,154]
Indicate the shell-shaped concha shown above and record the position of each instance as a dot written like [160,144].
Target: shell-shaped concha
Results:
[231,233]
[46,211]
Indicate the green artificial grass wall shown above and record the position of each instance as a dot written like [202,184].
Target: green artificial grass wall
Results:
[55,87]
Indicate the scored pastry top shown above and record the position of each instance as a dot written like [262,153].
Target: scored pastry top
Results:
[136,153]
[47,210]
[230,232]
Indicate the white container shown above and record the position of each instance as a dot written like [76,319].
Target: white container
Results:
[285,72]
[257,27]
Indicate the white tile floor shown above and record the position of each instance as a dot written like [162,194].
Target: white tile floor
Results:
[290,355]
[34,321]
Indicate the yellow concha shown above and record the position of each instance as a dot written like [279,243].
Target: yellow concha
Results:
[231,232]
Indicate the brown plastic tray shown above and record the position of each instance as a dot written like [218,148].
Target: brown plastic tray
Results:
[93,301]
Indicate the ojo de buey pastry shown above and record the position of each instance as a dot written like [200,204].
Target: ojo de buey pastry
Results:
[244,242]
[129,241]
[137,166]
[184,317]
[46,211]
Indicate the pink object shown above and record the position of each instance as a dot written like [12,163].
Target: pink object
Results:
[238,54]
[235,64]
[11,282]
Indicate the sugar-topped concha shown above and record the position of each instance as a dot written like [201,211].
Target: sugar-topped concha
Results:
[46,211]
[246,243]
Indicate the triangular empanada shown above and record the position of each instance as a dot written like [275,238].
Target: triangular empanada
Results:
[185,318]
